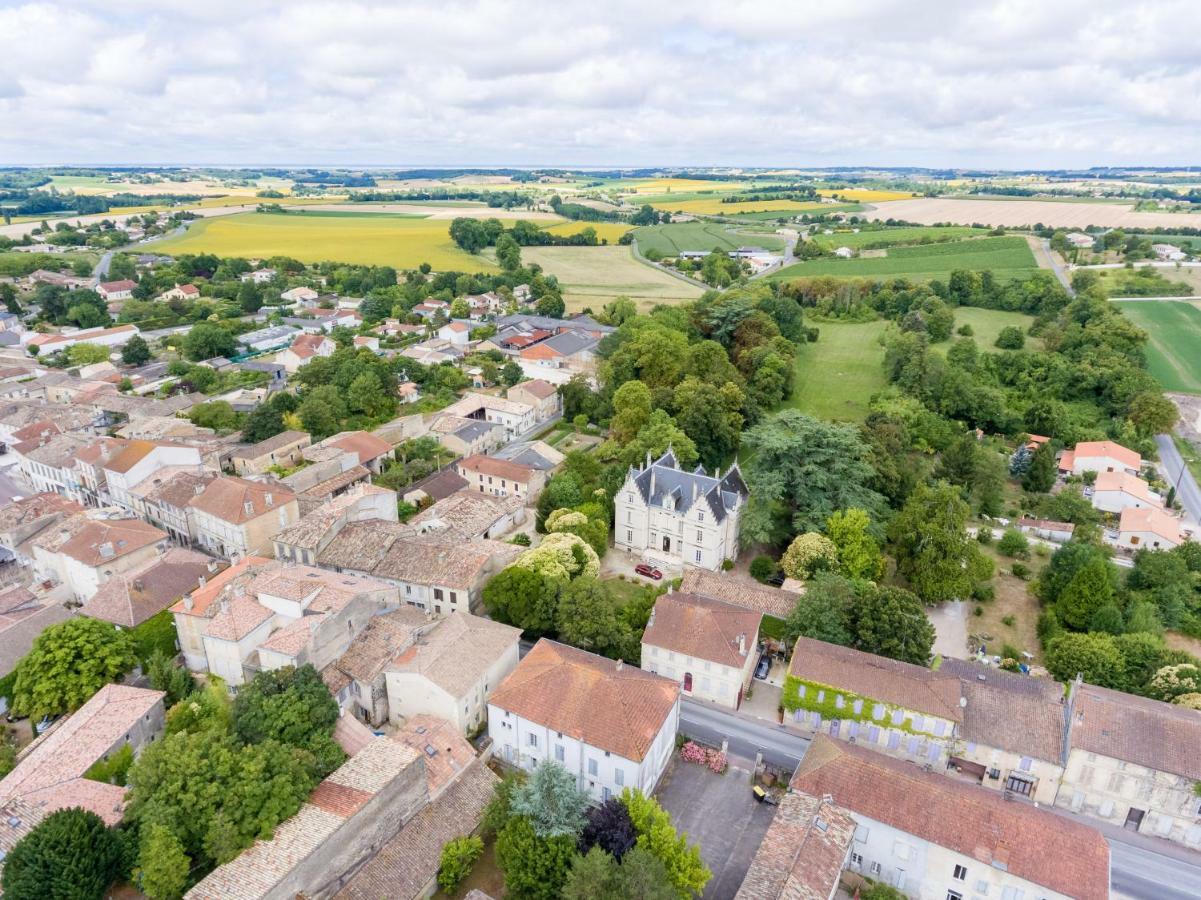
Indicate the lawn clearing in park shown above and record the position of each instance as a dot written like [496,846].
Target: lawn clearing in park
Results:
[592,276]
[671,239]
[1174,341]
[867,195]
[1005,257]
[986,326]
[369,239]
[605,231]
[837,374]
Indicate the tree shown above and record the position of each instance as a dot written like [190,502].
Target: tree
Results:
[609,828]
[858,552]
[1040,476]
[807,554]
[86,354]
[631,411]
[523,598]
[535,868]
[1065,563]
[508,253]
[136,351]
[68,663]
[658,435]
[206,340]
[596,875]
[1094,656]
[292,706]
[366,395]
[510,373]
[804,470]
[823,612]
[163,867]
[891,621]
[458,856]
[561,557]
[322,411]
[1014,544]
[589,618]
[1171,682]
[932,547]
[215,414]
[656,834]
[552,802]
[69,854]
[1011,338]
[711,416]
[1090,589]
[175,680]
[1152,413]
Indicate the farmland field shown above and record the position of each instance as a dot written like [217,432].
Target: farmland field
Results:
[770,216]
[897,236]
[837,374]
[713,206]
[1019,213]
[671,239]
[592,276]
[369,239]
[605,231]
[675,185]
[1006,257]
[1174,347]
[868,195]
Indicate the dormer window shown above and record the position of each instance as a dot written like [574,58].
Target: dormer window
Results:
[700,516]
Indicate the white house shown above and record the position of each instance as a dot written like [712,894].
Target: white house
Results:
[681,517]
[936,838]
[517,418]
[116,290]
[457,332]
[611,725]
[258,276]
[1117,491]
[304,348]
[1168,252]
[1100,456]
[844,252]
[300,295]
[1148,527]
[709,646]
[1081,241]
[104,337]
[140,460]
[180,292]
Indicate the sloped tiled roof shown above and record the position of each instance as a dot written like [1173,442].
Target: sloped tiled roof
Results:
[878,678]
[1034,844]
[740,591]
[1148,733]
[236,500]
[1093,449]
[498,468]
[1126,483]
[802,853]
[364,444]
[703,627]
[601,702]
[1151,520]
[456,652]
[129,599]
[385,636]
[97,541]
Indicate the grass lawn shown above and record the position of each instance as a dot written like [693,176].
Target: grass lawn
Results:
[1146,282]
[1189,454]
[671,239]
[986,325]
[836,375]
[592,276]
[368,239]
[1174,347]
[630,589]
[1007,257]
[1012,600]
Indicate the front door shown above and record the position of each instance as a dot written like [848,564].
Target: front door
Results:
[688,682]
[666,544]
[1134,818]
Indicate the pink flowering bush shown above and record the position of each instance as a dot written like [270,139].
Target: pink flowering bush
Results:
[714,760]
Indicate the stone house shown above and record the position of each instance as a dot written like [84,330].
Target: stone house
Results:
[283,449]
[235,517]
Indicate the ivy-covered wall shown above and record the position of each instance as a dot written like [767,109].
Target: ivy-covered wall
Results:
[827,707]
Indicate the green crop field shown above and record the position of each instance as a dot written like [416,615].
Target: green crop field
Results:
[1187,241]
[1174,345]
[592,276]
[671,239]
[1006,257]
[897,237]
[368,239]
[837,374]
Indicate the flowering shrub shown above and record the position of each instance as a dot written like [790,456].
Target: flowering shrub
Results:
[714,760]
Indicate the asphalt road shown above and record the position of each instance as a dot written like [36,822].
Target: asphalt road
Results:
[1136,872]
[1179,475]
[101,270]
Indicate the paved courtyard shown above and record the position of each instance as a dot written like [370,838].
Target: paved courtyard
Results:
[950,628]
[719,813]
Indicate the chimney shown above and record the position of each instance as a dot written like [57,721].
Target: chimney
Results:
[742,645]
[201,582]
[187,602]
[268,499]
[138,584]
[224,605]
[620,665]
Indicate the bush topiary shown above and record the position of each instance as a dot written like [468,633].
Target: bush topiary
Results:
[763,568]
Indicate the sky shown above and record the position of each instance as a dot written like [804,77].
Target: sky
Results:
[1004,84]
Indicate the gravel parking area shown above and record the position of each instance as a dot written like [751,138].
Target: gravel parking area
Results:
[719,813]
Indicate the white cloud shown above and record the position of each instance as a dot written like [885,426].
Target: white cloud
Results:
[1015,83]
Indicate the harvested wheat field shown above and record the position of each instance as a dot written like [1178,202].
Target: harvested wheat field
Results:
[1017,213]
[592,276]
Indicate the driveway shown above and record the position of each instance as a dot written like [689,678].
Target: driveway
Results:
[719,813]
[950,628]
[619,562]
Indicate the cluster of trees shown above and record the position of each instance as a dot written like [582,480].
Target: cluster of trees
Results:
[1110,628]
[349,389]
[551,843]
[473,235]
[83,308]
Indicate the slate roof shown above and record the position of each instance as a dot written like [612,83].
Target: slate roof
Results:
[802,854]
[603,703]
[878,678]
[704,628]
[1148,733]
[997,699]
[1030,843]
[663,479]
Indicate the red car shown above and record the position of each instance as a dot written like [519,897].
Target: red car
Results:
[648,571]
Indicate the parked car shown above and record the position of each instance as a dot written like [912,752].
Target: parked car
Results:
[648,571]
[763,667]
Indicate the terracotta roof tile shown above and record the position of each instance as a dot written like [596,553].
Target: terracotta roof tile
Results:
[97,541]
[455,653]
[1159,736]
[1091,449]
[236,500]
[740,591]
[129,599]
[703,627]
[1030,843]
[500,468]
[601,702]
[802,853]
[878,678]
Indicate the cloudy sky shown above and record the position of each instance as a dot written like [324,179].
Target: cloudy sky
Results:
[1008,83]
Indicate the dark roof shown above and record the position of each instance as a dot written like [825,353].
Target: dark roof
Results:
[663,480]
[440,485]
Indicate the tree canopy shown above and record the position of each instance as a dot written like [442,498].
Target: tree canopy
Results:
[68,663]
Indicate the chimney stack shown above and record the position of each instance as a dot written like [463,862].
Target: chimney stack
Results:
[742,645]
[620,665]
[187,602]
